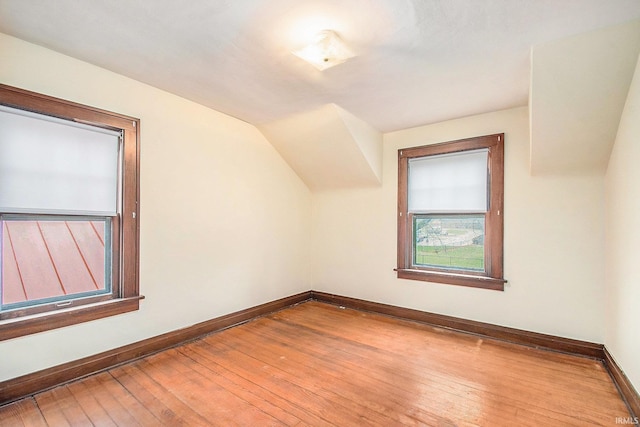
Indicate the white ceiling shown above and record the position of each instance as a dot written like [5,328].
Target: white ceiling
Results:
[419,61]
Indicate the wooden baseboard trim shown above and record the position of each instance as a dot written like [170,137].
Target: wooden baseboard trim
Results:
[626,389]
[30,384]
[517,336]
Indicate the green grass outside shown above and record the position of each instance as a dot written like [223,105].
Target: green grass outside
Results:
[465,257]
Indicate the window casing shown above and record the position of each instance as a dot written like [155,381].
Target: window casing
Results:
[74,255]
[450,212]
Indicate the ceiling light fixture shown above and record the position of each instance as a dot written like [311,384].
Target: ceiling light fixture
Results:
[326,51]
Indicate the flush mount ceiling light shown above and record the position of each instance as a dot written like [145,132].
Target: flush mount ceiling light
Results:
[326,51]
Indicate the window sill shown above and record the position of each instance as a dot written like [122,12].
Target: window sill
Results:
[452,278]
[26,325]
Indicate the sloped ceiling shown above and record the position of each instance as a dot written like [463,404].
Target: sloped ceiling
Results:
[328,147]
[579,86]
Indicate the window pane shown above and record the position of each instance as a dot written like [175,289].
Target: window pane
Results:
[46,259]
[455,182]
[449,241]
[49,165]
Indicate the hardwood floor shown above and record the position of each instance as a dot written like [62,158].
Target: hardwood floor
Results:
[319,365]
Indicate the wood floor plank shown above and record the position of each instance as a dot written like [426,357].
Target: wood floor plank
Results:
[384,385]
[329,408]
[122,407]
[59,408]
[382,329]
[260,391]
[166,407]
[88,394]
[520,388]
[208,399]
[316,364]
[202,367]
[387,399]
[251,411]
[22,413]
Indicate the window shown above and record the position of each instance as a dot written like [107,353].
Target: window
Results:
[69,229]
[450,210]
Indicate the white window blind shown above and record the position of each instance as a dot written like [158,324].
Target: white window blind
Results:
[455,182]
[49,165]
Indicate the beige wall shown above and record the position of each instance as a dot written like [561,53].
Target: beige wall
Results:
[225,222]
[553,240]
[623,239]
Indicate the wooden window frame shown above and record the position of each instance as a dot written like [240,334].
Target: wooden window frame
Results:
[125,225]
[492,276]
